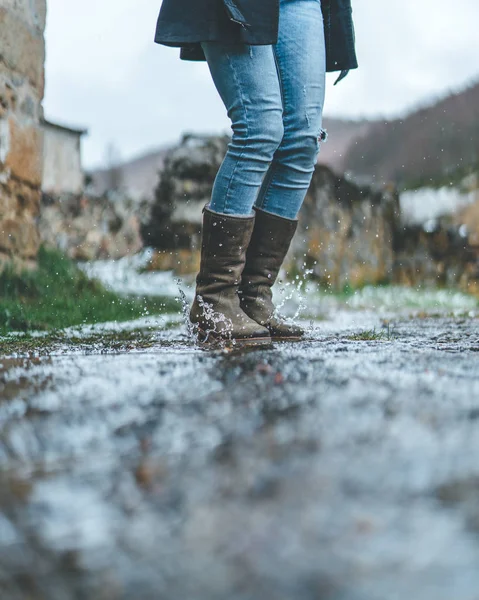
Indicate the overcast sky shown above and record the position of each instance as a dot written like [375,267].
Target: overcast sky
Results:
[105,73]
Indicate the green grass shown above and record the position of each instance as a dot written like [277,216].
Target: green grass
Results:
[59,295]
[372,335]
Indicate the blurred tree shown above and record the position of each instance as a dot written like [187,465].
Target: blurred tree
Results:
[114,172]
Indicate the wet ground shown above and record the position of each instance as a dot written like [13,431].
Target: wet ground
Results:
[135,465]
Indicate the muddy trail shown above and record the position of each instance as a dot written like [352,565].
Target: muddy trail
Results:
[342,467]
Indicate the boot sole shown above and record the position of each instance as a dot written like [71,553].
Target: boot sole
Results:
[209,339]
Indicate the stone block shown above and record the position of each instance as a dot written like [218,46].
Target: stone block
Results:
[8,204]
[4,141]
[19,237]
[18,198]
[39,14]
[32,12]
[25,151]
[18,264]
[18,96]
[19,209]
[22,48]
[468,217]
[8,92]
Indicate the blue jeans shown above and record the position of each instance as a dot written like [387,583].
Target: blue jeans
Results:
[274,96]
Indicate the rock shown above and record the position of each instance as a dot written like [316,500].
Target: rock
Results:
[438,241]
[186,182]
[345,232]
[440,254]
[468,219]
[182,261]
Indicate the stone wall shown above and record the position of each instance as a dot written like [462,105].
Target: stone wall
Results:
[90,228]
[22,54]
[345,235]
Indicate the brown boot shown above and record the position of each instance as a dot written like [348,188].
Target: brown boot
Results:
[216,309]
[269,244]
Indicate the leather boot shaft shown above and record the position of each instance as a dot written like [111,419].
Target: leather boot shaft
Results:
[216,308]
[269,244]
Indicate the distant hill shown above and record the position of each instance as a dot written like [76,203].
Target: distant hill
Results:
[342,133]
[430,146]
[139,176]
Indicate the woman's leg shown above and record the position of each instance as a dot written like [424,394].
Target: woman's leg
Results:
[248,83]
[275,106]
[300,57]
[246,78]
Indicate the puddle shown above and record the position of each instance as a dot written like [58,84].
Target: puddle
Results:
[165,471]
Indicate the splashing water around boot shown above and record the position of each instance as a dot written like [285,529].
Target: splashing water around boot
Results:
[185,310]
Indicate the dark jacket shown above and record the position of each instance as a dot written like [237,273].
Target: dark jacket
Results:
[185,23]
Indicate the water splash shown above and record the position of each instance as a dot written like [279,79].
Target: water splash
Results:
[293,291]
[185,310]
[222,336]
[220,331]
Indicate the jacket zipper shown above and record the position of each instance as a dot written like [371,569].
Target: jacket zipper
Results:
[229,10]
[244,25]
